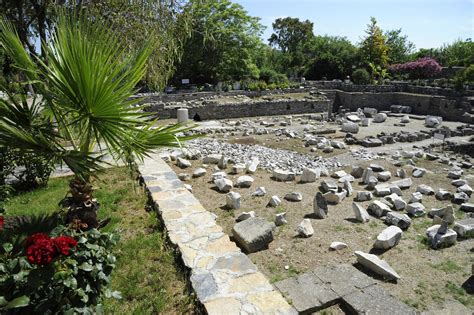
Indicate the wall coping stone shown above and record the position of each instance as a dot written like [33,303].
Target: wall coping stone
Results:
[224,278]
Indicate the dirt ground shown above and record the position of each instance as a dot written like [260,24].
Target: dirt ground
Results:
[428,277]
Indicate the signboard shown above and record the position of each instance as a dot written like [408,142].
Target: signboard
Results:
[438,136]
[184,81]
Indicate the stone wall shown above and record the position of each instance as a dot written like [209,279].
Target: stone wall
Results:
[245,109]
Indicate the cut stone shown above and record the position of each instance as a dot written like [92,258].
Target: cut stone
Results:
[245,215]
[305,229]
[310,175]
[403,183]
[320,206]
[218,175]
[244,181]
[398,219]
[232,200]
[361,214]
[337,245]
[382,190]
[389,237]
[377,265]
[363,196]
[238,168]
[328,185]
[439,236]
[460,198]
[467,207]
[416,209]
[443,194]
[183,163]
[446,213]
[357,171]
[223,184]
[253,234]
[251,166]
[384,176]
[212,159]
[378,208]
[199,172]
[294,196]
[335,197]
[348,188]
[464,228]
[259,192]
[465,189]
[416,197]
[350,127]
[283,176]
[280,219]
[425,189]
[418,172]
[275,201]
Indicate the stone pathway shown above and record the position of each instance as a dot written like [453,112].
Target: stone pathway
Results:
[345,285]
[224,279]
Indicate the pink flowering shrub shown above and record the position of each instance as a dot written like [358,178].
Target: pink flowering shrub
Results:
[423,68]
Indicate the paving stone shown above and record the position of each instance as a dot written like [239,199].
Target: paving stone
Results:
[375,300]
[307,293]
[224,305]
[238,263]
[253,234]
[204,285]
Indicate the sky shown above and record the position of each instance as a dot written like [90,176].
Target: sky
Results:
[428,23]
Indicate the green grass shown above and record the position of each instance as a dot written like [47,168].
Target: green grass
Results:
[146,273]
[447,266]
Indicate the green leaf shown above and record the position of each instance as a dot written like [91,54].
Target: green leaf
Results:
[18,302]
[86,267]
[7,247]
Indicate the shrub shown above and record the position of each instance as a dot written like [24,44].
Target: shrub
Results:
[63,272]
[423,68]
[361,76]
[271,76]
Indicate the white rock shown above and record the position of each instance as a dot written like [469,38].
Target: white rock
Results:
[275,201]
[252,165]
[350,127]
[244,181]
[183,163]
[384,176]
[389,237]
[310,175]
[399,219]
[416,209]
[212,159]
[223,184]
[283,176]
[440,236]
[425,189]
[378,208]
[377,265]
[305,229]
[363,196]
[380,118]
[280,219]
[238,168]
[294,196]
[337,245]
[259,192]
[233,200]
[416,197]
[335,197]
[188,187]
[361,214]
[245,215]
[464,228]
[218,175]
[199,172]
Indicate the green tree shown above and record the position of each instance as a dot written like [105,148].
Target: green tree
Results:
[331,57]
[81,107]
[290,35]
[399,47]
[223,43]
[459,53]
[374,49]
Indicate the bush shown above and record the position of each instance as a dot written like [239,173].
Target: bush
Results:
[63,272]
[423,68]
[30,170]
[361,76]
[271,76]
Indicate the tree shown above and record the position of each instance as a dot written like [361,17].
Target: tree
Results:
[373,49]
[81,108]
[459,53]
[331,57]
[290,35]
[399,47]
[222,45]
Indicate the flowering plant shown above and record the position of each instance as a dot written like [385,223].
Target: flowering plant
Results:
[420,69]
[64,271]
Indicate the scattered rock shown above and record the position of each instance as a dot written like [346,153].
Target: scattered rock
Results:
[199,172]
[403,183]
[245,215]
[363,196]
[223,184]
[416,209]
[377,265]
[425,189]
[251,166]
[280,219]
[335,197]
[440,236]
[183,163]
[378,208]
[464,228]
[253,234]
[320,206]
[244,181]
[467,207]
[418,172]
[294,196]
[401,220]
[443,194]
[389,237]
[232,200]
[310,175]
[337,245]
[361,214]
[275,201]
[305,229]
[283,176]
[259,192]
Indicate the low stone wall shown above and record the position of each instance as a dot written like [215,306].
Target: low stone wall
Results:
[224,279]
[448,108]
[245,109]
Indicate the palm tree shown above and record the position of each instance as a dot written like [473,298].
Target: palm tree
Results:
[76,105]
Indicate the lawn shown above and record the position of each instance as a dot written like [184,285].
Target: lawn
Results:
[146,273]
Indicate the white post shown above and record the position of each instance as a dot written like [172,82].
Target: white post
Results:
[182,115]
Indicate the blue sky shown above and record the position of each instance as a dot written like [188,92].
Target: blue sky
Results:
[428,23]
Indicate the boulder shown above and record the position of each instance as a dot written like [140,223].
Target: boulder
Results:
[238,168]
[378,208]
[212,159]
[245,215]
[357,171]
[339,174]
[350,127]
[464,228]
[460,198]
[283,176]
[440,236]
[382,190]
[465,189]
[425,189]
[403,183]
[337,246]
[335,197]
[380,118]
[418,172]
[218,175]
[253,234]
[294,196]
[310,175]
[232,200]
[251,166]
[402,173]
[459,182]
[445,213]
[259,192]
[368,172]
[320,206]
[377,265]
[222,164]
[199,172]
[467,207]
[376,167]
[183,163]
[415,209]
[371,142]
[416,197]
[389,237]
[244,181]
[305,229]
[398,219]
[328,185]
[280,219]
[384,176]
[360,213]
[432,121]
[348,187]
[373,181]
[405,119]
[443,194]
[223,184]
[363,196]
[275,201]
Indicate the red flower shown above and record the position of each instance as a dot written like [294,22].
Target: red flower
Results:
[2,221]
[35,237]
[64,244]
[41,251]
